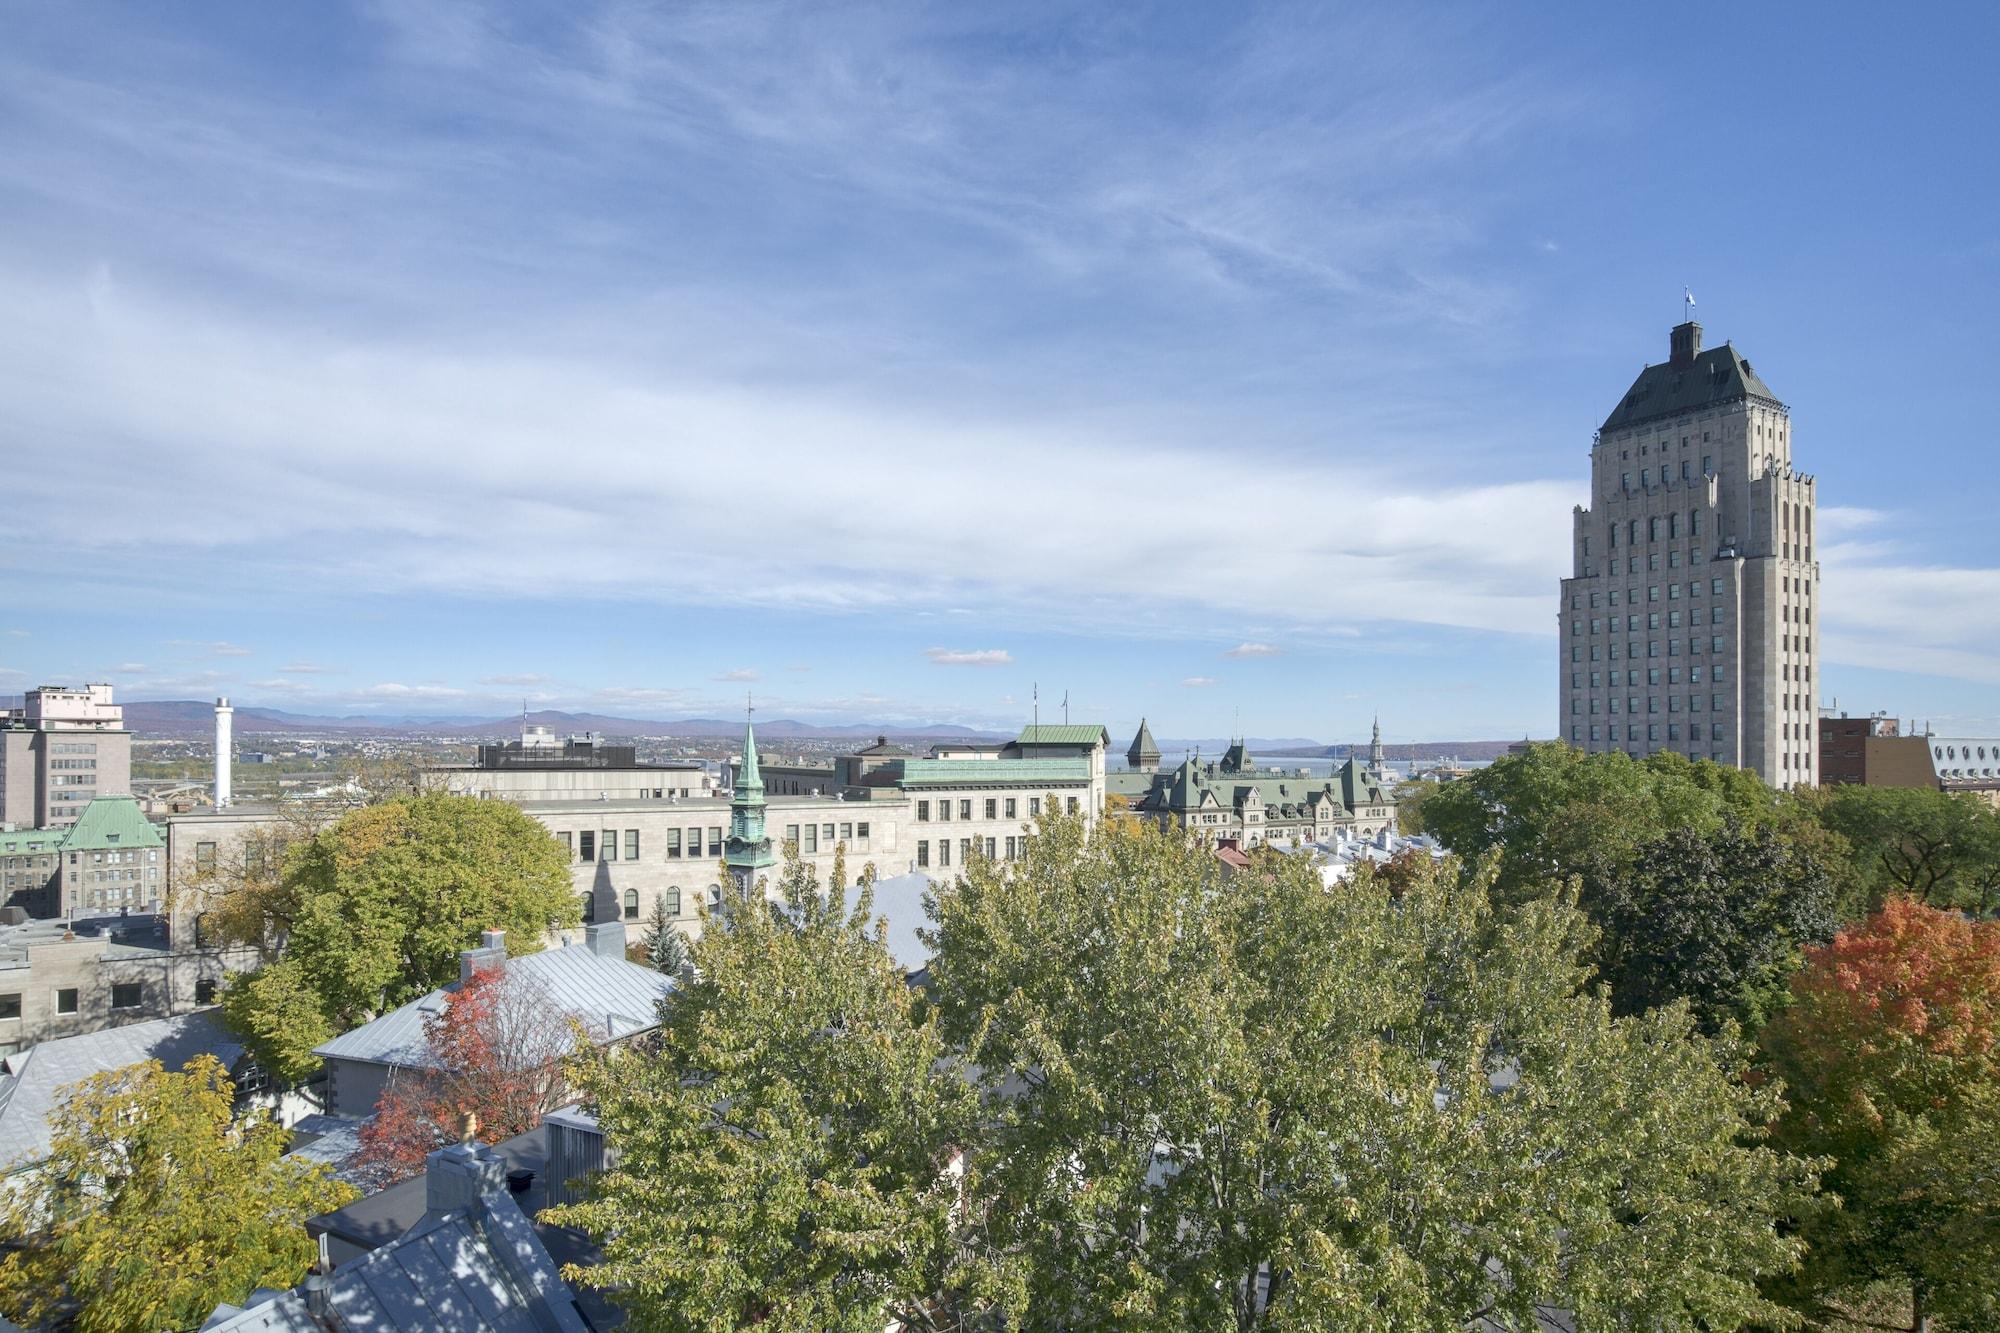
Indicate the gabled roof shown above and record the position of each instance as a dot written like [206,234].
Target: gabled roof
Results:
[613,997]
[477,1267]
[1052,733]
[28,1093]
[1716,376]
[108,821]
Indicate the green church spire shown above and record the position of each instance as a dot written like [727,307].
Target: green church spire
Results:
[748,849]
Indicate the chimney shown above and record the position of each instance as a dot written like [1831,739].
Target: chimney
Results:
[223,716]
[1684,344]
[605,939]
[461,1174]
[492,952]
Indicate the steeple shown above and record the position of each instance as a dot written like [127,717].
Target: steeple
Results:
[1144,755]
[1375,755]
[748,849]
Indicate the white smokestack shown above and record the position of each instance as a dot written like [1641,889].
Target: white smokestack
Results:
[223,715]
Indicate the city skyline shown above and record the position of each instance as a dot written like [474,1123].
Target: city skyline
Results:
[414,360]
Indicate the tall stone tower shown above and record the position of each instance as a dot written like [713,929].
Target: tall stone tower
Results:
[1377,758]
[1688,622]
[747,852]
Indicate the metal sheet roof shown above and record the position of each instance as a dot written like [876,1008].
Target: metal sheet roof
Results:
[35,1075]
[1054,733]
[613,997]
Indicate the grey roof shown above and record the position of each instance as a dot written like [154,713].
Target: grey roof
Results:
[899,901]
[613,997]
[33,1077]
[1718,375]
[331,1140]
[477,1267]
[1143,750]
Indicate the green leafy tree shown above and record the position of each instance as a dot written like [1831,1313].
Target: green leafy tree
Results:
[1552,811]
[373,911]
[1718,919]
[1891,1051]
[155,1205]
[664,944]
[1261,1104]
[281,1019]
[786,1146]
[1410,799]
[1940,848]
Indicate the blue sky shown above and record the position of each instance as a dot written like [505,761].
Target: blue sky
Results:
[1205,362]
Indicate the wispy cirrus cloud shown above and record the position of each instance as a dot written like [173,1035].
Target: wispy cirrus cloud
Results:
[516,678]
[1198,682]
[739,675]
[308,669]
[1248,649]
[969,657]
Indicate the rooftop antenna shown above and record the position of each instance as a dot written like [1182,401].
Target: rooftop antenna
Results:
[1065,708]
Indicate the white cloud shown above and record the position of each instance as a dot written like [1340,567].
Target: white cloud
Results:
[1198,682]
[976,657]
[1253,650]
[521,678]
[739,674]
[218,648]
[395,690]
[130,669]
[308,669]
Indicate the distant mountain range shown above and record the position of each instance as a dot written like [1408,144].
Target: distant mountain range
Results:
[196,717]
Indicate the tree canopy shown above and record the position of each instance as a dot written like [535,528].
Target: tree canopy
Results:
[1703,883]
[373,911]
[155,1206]
[1718,919]
[785,1144]
[1940,848]
[1264,1104]
[1891,1051]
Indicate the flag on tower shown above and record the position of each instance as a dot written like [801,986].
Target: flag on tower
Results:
[1687,296]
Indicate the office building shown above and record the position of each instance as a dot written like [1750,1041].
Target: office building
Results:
[58,751]
[1688,622]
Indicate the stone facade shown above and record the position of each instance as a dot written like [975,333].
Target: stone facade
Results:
[60,983]
[896,812]
[1688,623]
[1237,802]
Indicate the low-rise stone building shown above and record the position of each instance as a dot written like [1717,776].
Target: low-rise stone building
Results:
[1233,799]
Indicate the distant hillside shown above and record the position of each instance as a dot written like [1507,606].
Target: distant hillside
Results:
[1419,750]
[196,717]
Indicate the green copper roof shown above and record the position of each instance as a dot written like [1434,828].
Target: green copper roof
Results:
[110,821]
[746,772]
[1050,733]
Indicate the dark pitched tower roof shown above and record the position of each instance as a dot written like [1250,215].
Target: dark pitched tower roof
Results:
[1690,379]
[1144,753]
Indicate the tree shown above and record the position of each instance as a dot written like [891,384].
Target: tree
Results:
[1410,799]
[1260,1104]
[1890,1052]
[1552,811]
[665,947]
[155,1206]
[784,1148]
[496,1052]
[1717,919]
[374,910]
[1941,848]
[280,1018]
